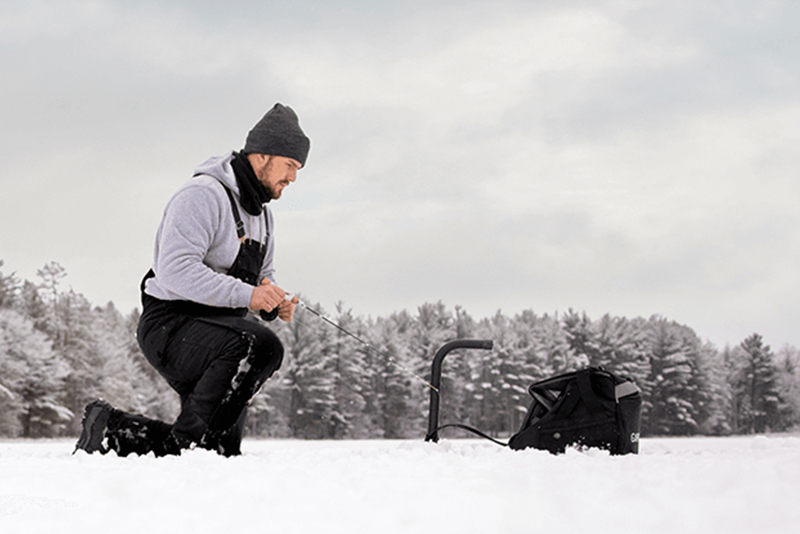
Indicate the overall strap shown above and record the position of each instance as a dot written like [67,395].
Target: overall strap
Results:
[236,217]
[150,274]
[266,226]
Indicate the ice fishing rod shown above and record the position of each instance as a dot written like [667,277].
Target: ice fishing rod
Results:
[367,344]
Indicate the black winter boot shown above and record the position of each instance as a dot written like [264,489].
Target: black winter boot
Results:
[228,442]
[129,433]
[94,422]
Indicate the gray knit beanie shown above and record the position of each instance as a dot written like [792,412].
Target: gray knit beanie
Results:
[278,133]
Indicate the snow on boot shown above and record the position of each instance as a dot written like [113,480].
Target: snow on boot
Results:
[226,442]
[129,433]
[93,427]
[224,432]
[244,386]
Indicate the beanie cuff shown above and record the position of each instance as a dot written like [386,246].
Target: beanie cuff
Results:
[288,146]
[278,133]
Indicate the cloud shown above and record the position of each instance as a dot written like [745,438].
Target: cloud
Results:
[629,157]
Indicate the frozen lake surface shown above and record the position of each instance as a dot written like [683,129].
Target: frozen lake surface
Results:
[675,485]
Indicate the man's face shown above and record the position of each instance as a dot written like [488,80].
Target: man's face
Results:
[274,172]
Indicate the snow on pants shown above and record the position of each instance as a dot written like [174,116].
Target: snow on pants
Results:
[215,363]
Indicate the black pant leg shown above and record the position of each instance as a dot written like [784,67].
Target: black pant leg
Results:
[199,362]
[216,364]
[264,356]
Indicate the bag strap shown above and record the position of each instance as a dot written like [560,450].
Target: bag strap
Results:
[570,400]
[587,392]
[556,383]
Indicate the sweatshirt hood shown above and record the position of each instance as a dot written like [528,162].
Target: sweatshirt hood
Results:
[220,168]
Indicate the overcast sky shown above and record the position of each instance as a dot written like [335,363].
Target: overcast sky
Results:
[622,157]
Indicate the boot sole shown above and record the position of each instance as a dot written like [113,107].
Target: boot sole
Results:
[91,440]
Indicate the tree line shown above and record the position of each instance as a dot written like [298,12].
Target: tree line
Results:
[58,351]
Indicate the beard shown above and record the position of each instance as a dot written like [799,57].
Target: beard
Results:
[271,191]
[274,190]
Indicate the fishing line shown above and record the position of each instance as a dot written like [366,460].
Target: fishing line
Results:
[367,344]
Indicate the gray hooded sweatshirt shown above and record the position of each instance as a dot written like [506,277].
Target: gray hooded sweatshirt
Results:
[196,242]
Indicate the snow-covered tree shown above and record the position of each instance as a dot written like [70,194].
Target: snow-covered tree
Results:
[9,285]
[310,360]
[71,328]
[621,346]
[31,375]
[390,387]
[433,326]
[669,410]
[59,352]
[123,380]
[580,333]
[711,392]
[350,375]
[555,348]
[756,387]
[788,385]
[487,403]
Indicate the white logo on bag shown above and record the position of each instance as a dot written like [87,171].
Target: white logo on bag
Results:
[634,437]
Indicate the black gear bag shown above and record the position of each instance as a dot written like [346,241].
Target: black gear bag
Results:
[590,407]
[587,408]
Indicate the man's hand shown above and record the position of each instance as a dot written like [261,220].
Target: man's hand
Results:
[267,297]
[286,309]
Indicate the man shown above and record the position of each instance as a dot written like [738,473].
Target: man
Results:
[212,270]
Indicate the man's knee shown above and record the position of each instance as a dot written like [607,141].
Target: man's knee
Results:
[267,350]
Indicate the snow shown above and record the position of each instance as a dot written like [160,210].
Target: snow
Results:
[675,485]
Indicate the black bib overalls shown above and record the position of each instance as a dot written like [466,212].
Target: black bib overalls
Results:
[216,359]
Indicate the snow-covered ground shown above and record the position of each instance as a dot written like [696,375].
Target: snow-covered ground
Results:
[704,485]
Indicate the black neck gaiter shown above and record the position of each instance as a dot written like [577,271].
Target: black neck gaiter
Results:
[252,193]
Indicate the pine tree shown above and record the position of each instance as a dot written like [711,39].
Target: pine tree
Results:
[388,390]
[555,346]
[621,346]
[788,385]
[433,326]
[398,409]
[31,375]
[733,361]
[350,374]
[526,361]
[123,380]
[669,410]
[51,275]
[527,348]
[70,326]
[520,357]
[757,387]
[711,392]
[310,361]
[13,366]
[581,335]
[31,304]
[489,400]
[9,285]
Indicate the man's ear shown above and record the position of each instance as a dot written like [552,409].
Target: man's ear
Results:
[256,160]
